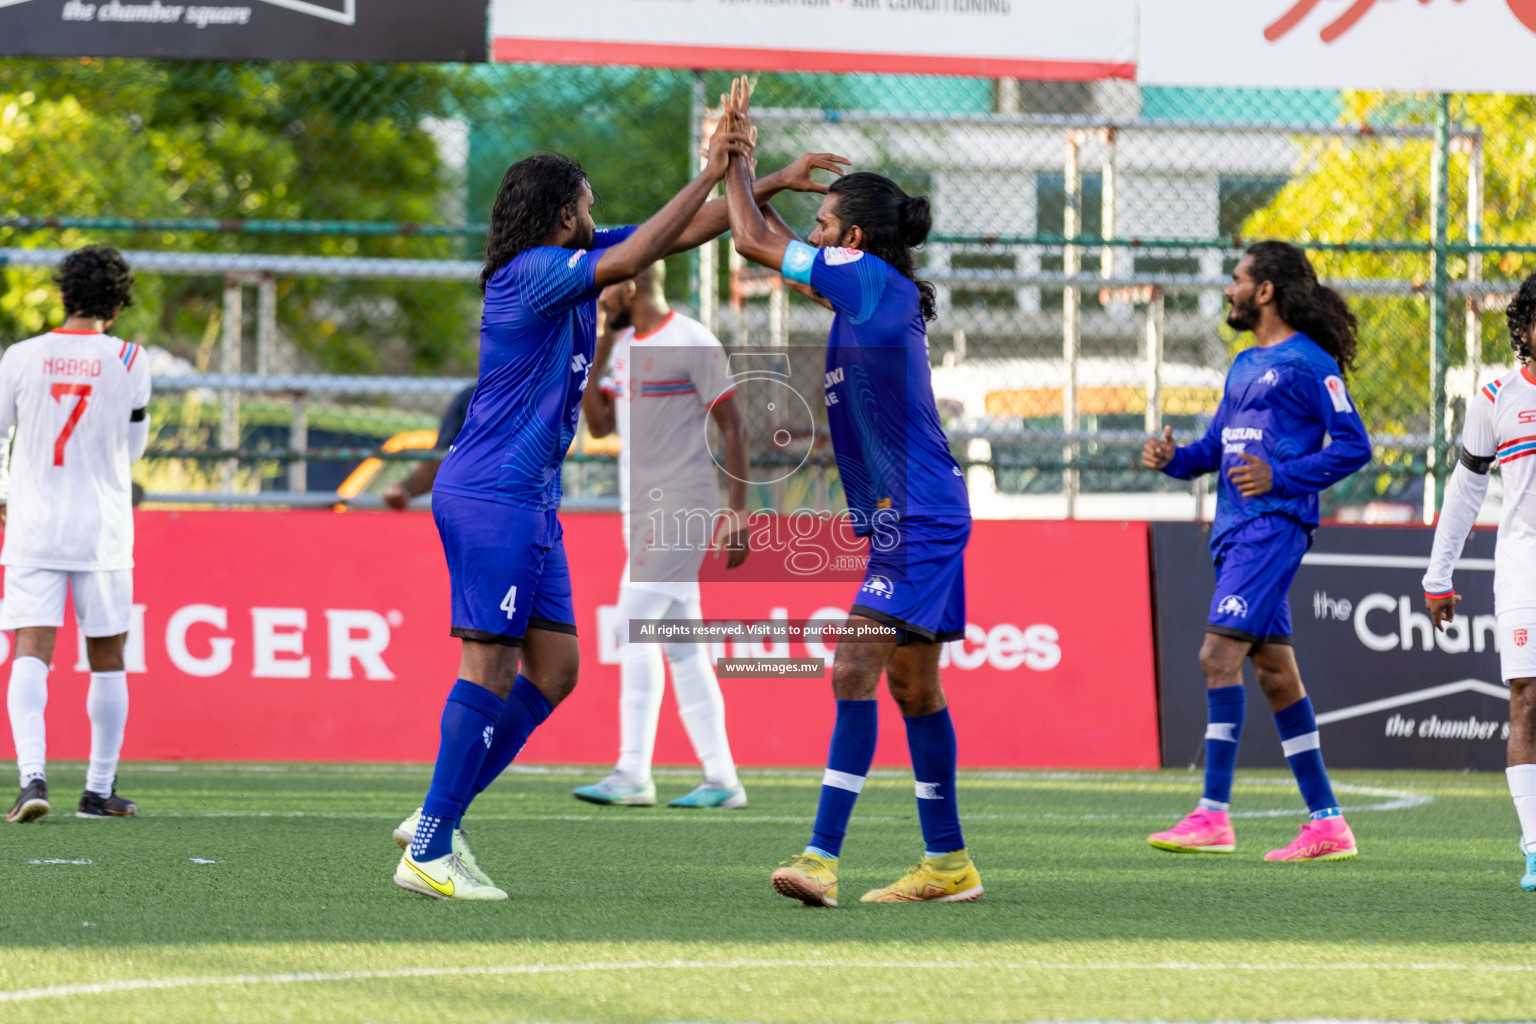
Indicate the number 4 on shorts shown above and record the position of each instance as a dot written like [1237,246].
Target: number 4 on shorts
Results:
[509,603]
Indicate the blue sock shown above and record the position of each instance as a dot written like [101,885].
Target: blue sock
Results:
[1299,739]
[931,741]
[468,726]
[1225,707]
[853,751]
[525,711]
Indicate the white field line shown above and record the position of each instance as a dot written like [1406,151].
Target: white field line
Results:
[1389,800]
[502,970]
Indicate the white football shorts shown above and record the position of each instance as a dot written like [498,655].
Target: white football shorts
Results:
[1517,643]
[35,597]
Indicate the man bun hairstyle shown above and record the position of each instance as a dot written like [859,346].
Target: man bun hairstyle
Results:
[95,282]
[1519,315]
[894,224]
[1302,301]
[536,194]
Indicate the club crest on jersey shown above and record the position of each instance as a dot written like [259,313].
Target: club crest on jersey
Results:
[1233,605]
[1521,636]
[879,586]
[1338,393]
[576,256]
[837,257]
[1270,377]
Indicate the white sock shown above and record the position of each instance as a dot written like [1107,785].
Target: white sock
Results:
[1522,786]
[107,705]
[702,709]
[24,702]
[642,680]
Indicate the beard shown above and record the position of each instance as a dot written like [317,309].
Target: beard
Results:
[1242,317]
[583,240]
[620,320]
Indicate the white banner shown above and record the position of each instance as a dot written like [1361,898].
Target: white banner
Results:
[1431,45]
[1038,39]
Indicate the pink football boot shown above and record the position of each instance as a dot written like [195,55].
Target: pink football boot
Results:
[1319,839]
[1202,832]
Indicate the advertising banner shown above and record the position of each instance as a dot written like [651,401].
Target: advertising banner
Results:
[1432,45]
[365,30]
[1037,39]
[313,636]
[1389,690]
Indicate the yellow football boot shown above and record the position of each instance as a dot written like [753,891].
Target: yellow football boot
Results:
[809,878]
[951,878]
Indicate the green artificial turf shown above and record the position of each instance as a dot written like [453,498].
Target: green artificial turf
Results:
[634,914]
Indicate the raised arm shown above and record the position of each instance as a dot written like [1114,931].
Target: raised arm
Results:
[657,236]
[713,219]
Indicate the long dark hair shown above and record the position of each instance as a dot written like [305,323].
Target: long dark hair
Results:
[1315,310]
[894,224]
[95,281]
[1520,314]
[536,193]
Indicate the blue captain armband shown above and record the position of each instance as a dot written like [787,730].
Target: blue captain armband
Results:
[798,260]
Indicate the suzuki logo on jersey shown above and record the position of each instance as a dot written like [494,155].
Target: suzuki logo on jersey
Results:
[579,364]
[1233,605]
[1270,377]
[1235,440]
[834,377]
[880,587]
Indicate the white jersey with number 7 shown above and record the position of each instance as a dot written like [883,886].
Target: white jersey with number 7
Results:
[70,396]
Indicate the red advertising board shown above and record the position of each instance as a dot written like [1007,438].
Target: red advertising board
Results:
[313,636]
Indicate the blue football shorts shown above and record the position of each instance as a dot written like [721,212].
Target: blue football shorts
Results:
[915,580]
[1255,565]
[507,571]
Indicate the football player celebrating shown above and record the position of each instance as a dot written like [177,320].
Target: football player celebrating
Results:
[1501,427]
[496,495]
[905,491]
[667,380]
[77,399]
[1282,398]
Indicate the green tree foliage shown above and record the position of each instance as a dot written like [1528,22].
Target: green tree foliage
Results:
[242,141]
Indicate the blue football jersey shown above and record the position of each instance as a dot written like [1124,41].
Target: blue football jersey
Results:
[892,455]
[1279,404]
[538,333]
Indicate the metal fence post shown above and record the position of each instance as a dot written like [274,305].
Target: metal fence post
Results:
[229,362]
[1474,264]
[298,441]
[1154,414]
[266,321]
[1071,315]
[1440,187]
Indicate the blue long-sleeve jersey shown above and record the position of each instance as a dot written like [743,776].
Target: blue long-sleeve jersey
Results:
[1279,404]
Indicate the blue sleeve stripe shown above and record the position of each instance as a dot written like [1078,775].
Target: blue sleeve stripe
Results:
[799,258]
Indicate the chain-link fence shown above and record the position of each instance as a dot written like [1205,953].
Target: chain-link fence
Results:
[305,239]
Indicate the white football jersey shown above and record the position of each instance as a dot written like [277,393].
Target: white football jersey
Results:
[1501,427]
[664,385]
[69,396]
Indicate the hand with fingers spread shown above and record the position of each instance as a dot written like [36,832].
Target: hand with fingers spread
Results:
[1158,451]
[1253,478]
